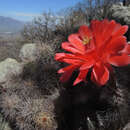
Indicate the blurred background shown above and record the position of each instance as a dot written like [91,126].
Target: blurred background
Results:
[40,21]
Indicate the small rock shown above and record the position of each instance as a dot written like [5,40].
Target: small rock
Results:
[9,67]
[29,52]
[32,52]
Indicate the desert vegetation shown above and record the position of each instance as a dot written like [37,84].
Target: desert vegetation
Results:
[31,95]
[48,26]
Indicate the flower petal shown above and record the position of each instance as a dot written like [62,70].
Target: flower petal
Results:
[96,28]
[61,56]
[100,74]
[102,31]
[116,44]
[63,70]
[121,31]
[109,67]
[81,76]
[72,61]
[76,42]
[85,31]
[87,65]
[126,50]
[119,60]
[108,30]
[66,76]
[68,47]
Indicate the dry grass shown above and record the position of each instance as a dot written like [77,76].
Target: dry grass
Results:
[10,50]
[10,46]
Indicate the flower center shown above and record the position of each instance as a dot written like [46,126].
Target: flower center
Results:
[86,40]
[44,119]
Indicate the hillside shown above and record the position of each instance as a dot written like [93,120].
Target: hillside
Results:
[8,24]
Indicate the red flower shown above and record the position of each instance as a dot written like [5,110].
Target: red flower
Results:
[96,47]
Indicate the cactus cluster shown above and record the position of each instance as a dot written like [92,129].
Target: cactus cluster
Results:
[36,100]
[4,125]
[42,71]
[27,99]
[24,104]
[93,109]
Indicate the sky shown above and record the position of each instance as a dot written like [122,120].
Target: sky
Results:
[25,10]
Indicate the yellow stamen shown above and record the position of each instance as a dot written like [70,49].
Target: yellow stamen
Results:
[86,40]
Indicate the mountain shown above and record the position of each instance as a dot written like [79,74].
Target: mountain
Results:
[10,25]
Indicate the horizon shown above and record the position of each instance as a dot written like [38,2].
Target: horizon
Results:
[26,10]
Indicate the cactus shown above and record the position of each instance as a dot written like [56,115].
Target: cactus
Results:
[32,111]
[45,120]
[35,100]
[9,105]
[92,108]
[4,124]
[25,105]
